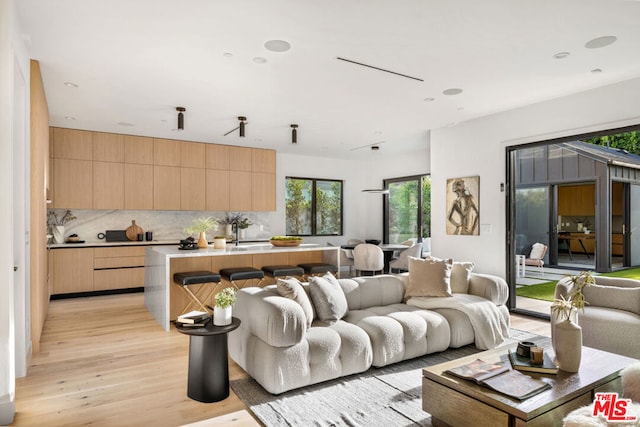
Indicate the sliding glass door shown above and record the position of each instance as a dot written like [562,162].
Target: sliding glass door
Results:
[407,209]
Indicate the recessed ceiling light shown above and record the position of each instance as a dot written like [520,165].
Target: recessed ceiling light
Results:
[277,45]
[596,70]
[600,42]
[460,108]
[259,60]
[125,124]
[70,84]
[452,91]
[227,54]
[561,55]
[429,99]
[69,117]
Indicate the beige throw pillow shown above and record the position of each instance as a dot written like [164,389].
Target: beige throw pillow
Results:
[429,278]
[328,298]
[460,275]
[292,288]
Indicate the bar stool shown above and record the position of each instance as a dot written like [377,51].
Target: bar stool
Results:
[241,273]
[317,268]
[203,293]
[276,271]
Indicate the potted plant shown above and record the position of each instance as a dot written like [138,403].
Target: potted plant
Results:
[57,224]
[566,335]
[201,226]
[222,311]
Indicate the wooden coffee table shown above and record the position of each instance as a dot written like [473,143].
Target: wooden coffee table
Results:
[452,401]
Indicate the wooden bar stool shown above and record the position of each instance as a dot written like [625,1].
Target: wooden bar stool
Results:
[241,273]
[317,268]
[202,294]
[276,271]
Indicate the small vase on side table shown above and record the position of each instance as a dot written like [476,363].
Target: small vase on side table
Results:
[567,344]
[222,316]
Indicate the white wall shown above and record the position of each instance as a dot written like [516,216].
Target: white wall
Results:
[478,148]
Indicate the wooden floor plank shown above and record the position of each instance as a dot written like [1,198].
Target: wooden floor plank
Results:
[105,361]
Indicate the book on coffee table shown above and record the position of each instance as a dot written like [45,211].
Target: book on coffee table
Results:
[525,364]
[500,378]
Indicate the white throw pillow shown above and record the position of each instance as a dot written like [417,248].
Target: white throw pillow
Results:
[429,278]
[328,298]
[292,288]
[537,251]
[460,275]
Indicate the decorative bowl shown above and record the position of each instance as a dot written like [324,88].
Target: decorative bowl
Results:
[285,243]
[373,241]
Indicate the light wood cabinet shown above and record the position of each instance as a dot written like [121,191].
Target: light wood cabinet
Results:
[192,189]
[192,155]
[263,160]
[108,147]
[166,188]
[217,186]
[217,156]
[72,270]
[263,190]
[166,152]
[240,158]
[576,200]
[73,182]
[617,244]
[138,150]
[108,185]
[240,190]
[138,187]
[72,144]
[118,268]
[617,197]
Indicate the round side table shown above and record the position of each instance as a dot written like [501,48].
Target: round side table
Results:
[208,361]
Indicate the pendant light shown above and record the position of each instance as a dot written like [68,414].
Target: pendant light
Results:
[294,134]
[181,111]
[242,119]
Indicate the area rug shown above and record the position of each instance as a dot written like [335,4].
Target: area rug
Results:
[388,396]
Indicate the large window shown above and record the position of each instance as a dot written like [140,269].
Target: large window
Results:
[408,209]
[313,207]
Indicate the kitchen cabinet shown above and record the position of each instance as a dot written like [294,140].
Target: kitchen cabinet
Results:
[617,196]
[240,159]
[166,188]
[138,150]
[72,270]
[240,193]
[108,185]
[263,160]
[192,155]
[192,189]
[217,156]
[118,268]
[263,190]
[217,189]
[617,244]
[138,187]
[108,147]
[73,183]
[166,152]
[576,200]
[72,144]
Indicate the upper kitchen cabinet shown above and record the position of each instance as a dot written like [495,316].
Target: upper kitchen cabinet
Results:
[166,152]
[192,189]
[617,197]
[192,155]
[72,144]
[73,183]
[217,156]
[138,186]
[108,185]
[166,188]
[263,191]
[263,160]
[577,200]
[108,147]
[240,159]
[138,150]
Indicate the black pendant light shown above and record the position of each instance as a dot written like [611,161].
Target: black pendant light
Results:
[181,111]
[294,134]
[242,119]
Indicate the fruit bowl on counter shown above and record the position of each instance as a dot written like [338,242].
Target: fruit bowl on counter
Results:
[286,241]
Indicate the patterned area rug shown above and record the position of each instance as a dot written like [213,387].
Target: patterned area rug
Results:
[388,396]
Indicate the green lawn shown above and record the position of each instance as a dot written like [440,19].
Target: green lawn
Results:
[545,291]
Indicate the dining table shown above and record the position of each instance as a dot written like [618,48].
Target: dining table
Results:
[388,249]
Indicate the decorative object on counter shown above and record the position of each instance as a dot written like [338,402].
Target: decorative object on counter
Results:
[219,242]
[73,238]
[237,219]
[222,311]
[582,224]
[566,335]
[133,231]
[201,226]
[188,244]
[285,241]
[57,224]
[148,236]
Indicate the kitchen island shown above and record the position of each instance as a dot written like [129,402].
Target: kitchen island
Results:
[165,301]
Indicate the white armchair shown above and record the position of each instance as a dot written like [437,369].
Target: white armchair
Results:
[402,262]
[368,257]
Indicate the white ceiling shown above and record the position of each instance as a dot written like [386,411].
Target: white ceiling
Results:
[135,61]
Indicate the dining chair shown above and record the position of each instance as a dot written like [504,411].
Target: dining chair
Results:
[402,262]
[338,258]
[368,258]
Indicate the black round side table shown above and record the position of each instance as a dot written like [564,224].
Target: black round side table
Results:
[208,361]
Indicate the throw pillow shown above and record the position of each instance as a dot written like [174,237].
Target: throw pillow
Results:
[429,278]
[460,275]
[328,298]
[292,288]
[537,251]
[627,299]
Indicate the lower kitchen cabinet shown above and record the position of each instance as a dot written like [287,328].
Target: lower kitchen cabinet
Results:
[72,270]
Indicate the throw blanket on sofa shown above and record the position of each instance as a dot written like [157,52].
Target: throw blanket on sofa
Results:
[489,327]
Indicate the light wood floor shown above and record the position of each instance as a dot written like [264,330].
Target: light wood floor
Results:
[104,361]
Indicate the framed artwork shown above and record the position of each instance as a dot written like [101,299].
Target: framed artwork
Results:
[463,206]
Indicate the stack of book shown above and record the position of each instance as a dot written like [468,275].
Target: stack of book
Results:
[193,319]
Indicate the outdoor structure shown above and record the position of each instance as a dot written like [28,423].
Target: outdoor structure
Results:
[577,198]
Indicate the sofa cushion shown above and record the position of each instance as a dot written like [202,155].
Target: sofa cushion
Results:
[370,291]
[626,299]
[292,288]
[429,278]
[328,298]
[460,276]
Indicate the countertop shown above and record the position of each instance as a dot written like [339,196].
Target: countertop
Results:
[242,249]
[135,243]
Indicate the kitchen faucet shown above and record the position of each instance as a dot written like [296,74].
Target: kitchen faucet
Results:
[237,233]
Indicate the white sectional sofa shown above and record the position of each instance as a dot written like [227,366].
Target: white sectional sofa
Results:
[366,323]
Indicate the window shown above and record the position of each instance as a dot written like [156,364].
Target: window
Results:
[313,207]
[407,209]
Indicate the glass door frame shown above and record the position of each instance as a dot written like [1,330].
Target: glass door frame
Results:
[386,205]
